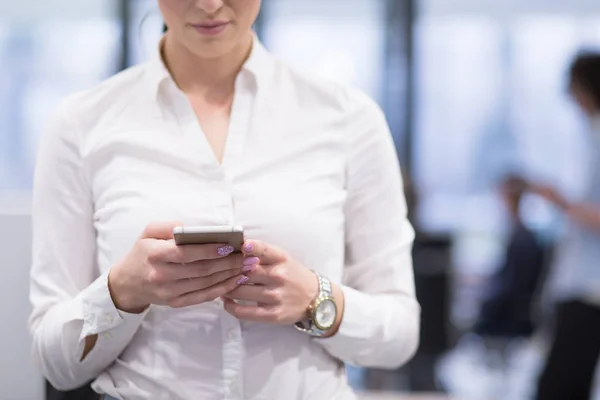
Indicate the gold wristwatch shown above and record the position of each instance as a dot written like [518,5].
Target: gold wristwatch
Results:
[322,312]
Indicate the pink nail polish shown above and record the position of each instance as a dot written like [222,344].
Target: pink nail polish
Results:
[243,280]
[251,261]
[249,268]
[249,247]
[225,250]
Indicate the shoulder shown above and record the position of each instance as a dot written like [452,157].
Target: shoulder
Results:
[85,108]
[311,90]
[348,111]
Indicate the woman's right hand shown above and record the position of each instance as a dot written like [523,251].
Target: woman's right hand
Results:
[157,271]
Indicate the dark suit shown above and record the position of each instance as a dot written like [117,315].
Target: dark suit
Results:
[507,310]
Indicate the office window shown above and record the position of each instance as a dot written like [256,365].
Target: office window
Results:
[457,117]
[341,40]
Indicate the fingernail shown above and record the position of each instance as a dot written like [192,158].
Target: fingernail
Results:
[225,250]
[243,280]
[248,247]
[251,261]
[248,268]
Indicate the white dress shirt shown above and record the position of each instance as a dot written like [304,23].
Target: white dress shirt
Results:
[308,166]
[575,274]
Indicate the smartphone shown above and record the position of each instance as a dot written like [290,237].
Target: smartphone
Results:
[227,234]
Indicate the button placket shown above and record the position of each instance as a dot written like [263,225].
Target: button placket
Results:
[232,356]
[223,202]
[230,201]
[234,388]
[239,129]
[232,334]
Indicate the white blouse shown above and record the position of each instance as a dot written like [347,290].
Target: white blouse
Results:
[309,166]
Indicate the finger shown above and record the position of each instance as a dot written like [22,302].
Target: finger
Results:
[262,275]
[268,254]
[198,269]
[249,313]
[160,230]
[187,285]
[208,294]
[234,262]
[170,252]
[258,293]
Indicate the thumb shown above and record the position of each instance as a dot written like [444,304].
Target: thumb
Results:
[160,230]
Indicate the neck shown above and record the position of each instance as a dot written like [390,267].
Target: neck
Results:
[196,74]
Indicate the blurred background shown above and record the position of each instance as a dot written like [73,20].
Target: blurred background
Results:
[472,89]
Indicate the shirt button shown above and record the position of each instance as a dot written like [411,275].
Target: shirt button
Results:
[108,318]
[232,334]
[233,387]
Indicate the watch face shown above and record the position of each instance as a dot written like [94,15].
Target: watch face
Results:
[325,314]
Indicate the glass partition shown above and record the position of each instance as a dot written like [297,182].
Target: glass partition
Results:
[46,52]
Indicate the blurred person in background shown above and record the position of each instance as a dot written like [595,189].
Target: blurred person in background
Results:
[506,314]
[216,131]
[575,279]
[507,311]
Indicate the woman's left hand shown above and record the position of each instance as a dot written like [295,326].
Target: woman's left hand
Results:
[282,287]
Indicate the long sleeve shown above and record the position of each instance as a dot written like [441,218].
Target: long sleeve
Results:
[380,325]
[70,301]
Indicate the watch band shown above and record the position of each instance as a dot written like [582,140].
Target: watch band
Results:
[307,326]
[325,291]
[324,285]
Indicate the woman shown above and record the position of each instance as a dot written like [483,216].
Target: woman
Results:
[215,131]
[575,280]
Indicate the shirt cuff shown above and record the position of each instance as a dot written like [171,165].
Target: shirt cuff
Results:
[100,315]
[354,331]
